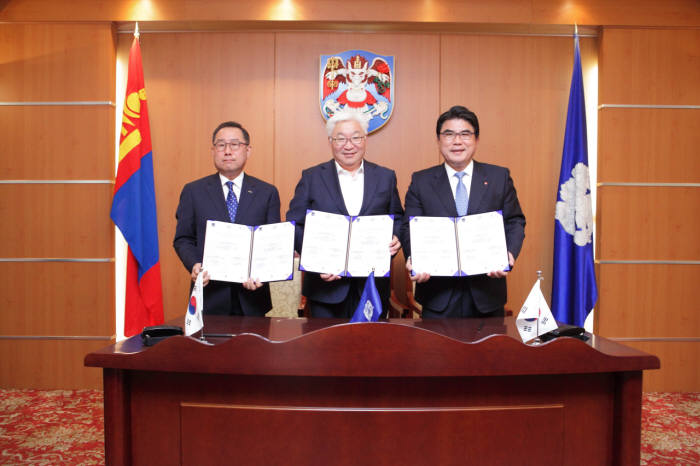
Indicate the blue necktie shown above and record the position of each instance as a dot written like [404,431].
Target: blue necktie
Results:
[461,197]
[231,201]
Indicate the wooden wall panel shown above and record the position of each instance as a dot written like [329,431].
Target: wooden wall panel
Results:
[519,88]
[648,300]
[56,220]
[648,223]
[679,365]
[58,298]
[405,144]
[506,12]
[650,66]
[637,223]
[49,364]
[40,62]
[194,82]
[517,85]
[57,143]
[55,63]
[648,145]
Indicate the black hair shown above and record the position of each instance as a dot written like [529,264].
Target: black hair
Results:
[461,113]
[231,124]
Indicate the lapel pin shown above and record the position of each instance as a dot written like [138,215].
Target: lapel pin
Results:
[250,191]
[486,183]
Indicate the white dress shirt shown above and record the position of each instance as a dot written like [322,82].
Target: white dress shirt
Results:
[237,185]
[466,180]
[352,186]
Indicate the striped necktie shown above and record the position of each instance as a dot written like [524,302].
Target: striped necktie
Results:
[461,197]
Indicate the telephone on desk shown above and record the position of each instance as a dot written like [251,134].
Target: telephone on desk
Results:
[156,333]
[565,330]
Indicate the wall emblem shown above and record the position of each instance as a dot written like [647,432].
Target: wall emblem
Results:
[358,81]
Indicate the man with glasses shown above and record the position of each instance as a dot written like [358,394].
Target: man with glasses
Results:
[347,185]
[459,187]
[229,195]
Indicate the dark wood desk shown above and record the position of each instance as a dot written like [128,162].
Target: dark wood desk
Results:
[403,392]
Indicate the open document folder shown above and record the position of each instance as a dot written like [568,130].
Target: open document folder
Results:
[235,253]
[457,247]
[347,246]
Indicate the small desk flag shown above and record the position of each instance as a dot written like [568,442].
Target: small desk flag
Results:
[134,206]
[574,290]
[534,317]
[370,307]
[194,322]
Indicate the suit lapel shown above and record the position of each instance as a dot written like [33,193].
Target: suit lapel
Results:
[216,193]
[478,188]
[330,178]
[248,191]
[371,182]
[441,185]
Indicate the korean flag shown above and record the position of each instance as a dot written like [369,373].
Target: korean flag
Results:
[194,322]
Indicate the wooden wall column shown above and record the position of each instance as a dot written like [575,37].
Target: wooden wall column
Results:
[56,181]
[648,198]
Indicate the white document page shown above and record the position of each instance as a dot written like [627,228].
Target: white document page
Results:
[434,246]
[482,243]
[369,245]
[273,252]
[227,251]
[325,242]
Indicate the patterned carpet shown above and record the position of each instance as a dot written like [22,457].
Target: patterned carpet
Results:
[671,429]
[65,427]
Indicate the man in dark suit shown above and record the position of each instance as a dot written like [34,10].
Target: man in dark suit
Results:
[436,192]
[347,185]
[228,196]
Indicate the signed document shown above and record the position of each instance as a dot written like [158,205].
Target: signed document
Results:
[235,253]
[346,246]
[454,247]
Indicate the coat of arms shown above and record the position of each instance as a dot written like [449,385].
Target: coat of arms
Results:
[358,81]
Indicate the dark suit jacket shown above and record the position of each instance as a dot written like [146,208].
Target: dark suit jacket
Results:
[319,189]
[429,194]
[203,200]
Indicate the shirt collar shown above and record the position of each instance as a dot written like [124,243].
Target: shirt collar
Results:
[468,170]
[237,181]
[341,170]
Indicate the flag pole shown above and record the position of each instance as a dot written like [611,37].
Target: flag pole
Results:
[136,30]
[539,307]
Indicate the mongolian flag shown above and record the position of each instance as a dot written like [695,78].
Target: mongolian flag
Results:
[134,206]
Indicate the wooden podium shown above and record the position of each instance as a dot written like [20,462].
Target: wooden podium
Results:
[402,392]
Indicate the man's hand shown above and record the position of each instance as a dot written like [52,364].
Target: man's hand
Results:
[419,277]
[329,277]
[502,273]
[394,246]
[195,271]
[252,285]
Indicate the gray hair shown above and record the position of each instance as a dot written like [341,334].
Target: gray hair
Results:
[346,115]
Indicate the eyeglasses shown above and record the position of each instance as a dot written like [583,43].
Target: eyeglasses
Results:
[340,141]
[220,146]
[451,135]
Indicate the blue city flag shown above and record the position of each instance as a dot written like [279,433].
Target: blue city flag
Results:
[574,290]
[370,307]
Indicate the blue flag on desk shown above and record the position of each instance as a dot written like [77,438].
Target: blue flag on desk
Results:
[370,307]
[574,290]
